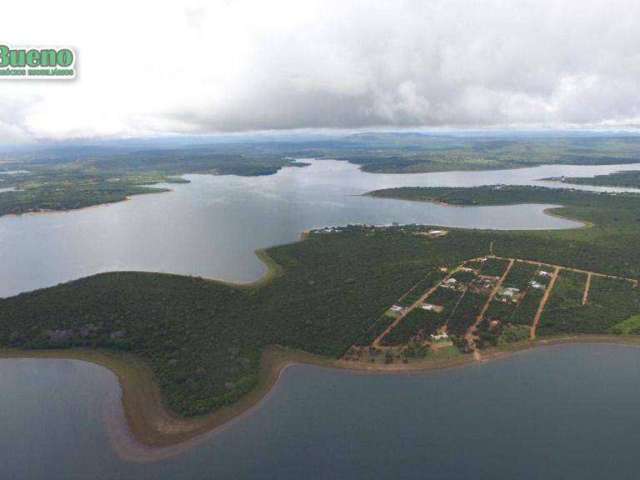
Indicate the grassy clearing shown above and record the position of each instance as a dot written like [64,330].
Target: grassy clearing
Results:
[630,326]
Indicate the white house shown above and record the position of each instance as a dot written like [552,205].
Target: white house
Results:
[536,285]
[439,336]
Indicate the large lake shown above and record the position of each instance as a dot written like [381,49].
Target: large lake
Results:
[212,226]
[566,412]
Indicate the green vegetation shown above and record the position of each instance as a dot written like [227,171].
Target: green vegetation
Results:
[465,313]
[610,302]
[520,275]
[464,276]
[493,267]
[446,298]
[474,264]
[46,191]
[418,323]
[500,311]
[628,179]
[375,330]
[524,313]
[568,291]
[421,288]
[630,326]
[514,333]
[415,350]
[203,339]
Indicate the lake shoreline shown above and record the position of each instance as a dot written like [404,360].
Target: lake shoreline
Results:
[550,210]
[141,429]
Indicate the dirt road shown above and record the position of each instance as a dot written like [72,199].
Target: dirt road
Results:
[469,336]
[587,287]
[543,302]
[399,318]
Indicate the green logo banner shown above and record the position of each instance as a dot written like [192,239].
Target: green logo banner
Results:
[34,63]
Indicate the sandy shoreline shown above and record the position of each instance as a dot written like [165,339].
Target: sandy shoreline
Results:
[141,429]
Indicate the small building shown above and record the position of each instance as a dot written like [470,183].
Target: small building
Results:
[396,309]
[437,233]
[433,233]
[509,294]
[536,285]
[440,336]
[510,291]
[429,307]
[544,273]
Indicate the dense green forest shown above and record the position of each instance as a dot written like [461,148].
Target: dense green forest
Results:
[610,303]
[203,338]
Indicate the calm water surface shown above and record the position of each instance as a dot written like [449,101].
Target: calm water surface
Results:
[212,226]
[554,413]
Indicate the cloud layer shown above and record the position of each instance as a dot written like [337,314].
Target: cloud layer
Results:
[147,68]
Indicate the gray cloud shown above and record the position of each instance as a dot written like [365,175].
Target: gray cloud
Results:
[455,63]
[221,66]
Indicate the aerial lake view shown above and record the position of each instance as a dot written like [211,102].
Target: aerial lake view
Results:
[212,226]
[320,240]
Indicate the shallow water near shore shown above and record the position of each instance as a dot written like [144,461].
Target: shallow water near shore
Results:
[212,226]
[559,412]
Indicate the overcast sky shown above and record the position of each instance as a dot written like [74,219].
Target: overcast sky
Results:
[161,67]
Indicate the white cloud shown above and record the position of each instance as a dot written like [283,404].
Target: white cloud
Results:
[150,67]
